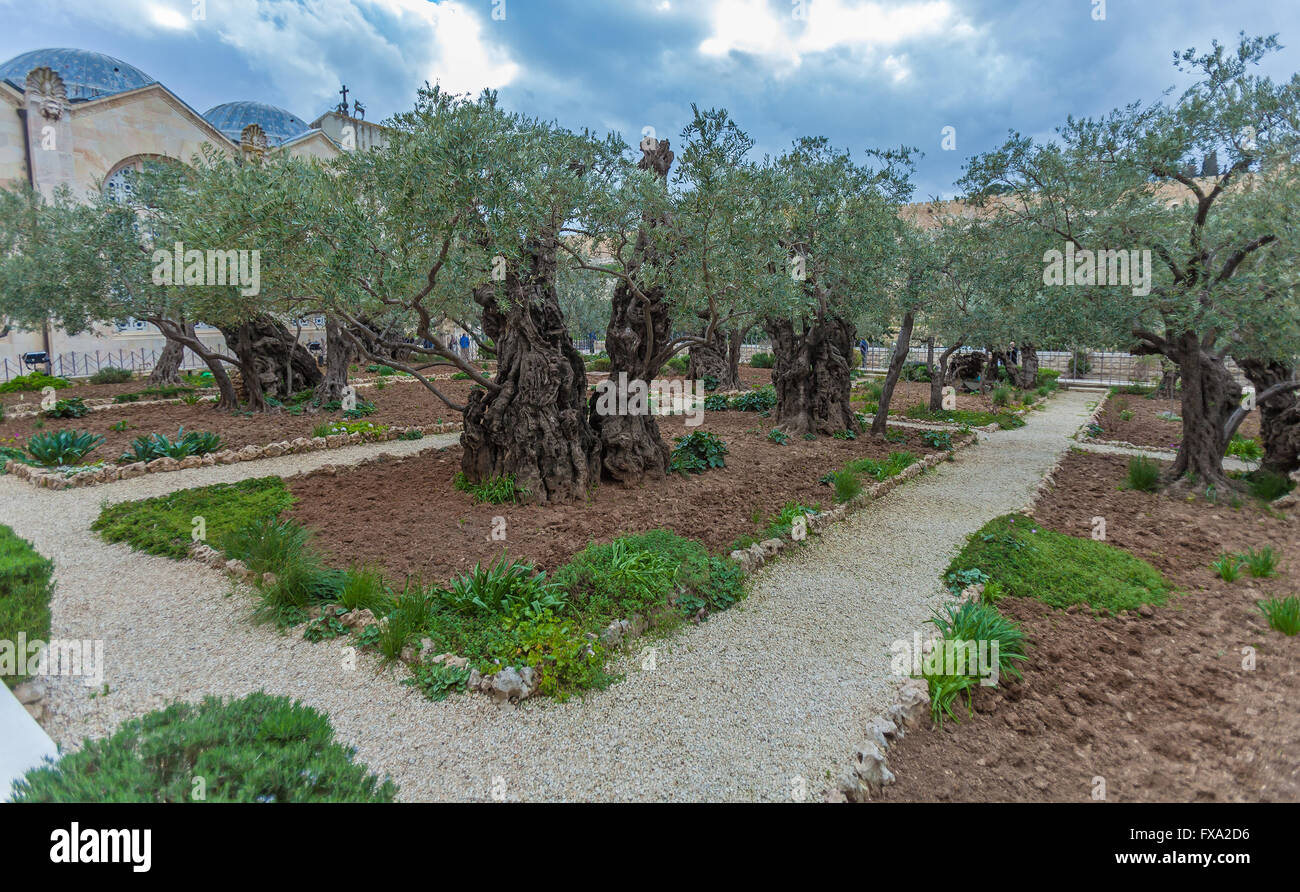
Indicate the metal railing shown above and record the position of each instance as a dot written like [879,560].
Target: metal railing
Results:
[83,365]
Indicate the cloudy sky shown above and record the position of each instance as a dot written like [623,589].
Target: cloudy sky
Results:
[865,73]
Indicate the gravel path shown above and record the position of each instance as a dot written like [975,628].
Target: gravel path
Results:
[765,698]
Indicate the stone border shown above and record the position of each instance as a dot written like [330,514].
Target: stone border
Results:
[94,476]
[759,553]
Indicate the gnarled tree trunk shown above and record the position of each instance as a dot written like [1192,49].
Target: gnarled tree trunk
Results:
[1025,375]
[1279,415]
[640,326]
[534,425]
[1209,397]
[167,370]
[810,373]
[338,357]
[718,359]
[272,362]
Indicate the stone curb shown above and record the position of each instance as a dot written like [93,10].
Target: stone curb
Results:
[57,480]
[752,558]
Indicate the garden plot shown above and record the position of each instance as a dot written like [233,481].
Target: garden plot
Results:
[1161,701]
[1143,420]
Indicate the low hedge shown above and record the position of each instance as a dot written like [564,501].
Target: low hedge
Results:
[26,583]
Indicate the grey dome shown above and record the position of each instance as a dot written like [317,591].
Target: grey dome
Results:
[279,125]
[86,74]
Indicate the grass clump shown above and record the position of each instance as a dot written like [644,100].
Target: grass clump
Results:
[164,524]
[1227,567]
[258,748]
[111,375]
[1028,561]
[1143,474]
[1283,614]
[847,485]
[1245,448]
[26,583]
[495,490]
[33,381]
[761,361]
[972,634]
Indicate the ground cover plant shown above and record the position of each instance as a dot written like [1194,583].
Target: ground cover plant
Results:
[164,525]
[26,584]
[62,448]
[1030,561]
[257,748]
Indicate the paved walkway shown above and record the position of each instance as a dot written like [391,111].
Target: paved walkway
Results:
[761,700]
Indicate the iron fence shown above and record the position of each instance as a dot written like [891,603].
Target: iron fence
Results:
[83,365]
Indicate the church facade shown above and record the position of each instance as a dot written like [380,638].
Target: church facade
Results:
[83,120]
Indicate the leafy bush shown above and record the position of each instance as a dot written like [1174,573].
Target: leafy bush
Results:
[1001,396]
[127,398]
[1246,448]
[677,365]
[362,409]
[1081,363]
[566,660]
[62,448]
[977,622]
[111,375]
[610,581]
[937,439]
[506,588]
[1268,485]
[697,452]
[1059,570]
[33,381]
[258,748]
[1046,378]
[778,436]
[915,371]
[413,433]
[164,524]
[156,446]
[15,453]
[26,584]
[381,370]
[760,400]
[717,402]
[1143,474]
[72,408]
[438,681]
[881,470]
[761,361]
[495,490]
[1283,614]
[599,364]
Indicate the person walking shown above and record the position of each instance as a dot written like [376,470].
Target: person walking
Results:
[862,348]
[464,346]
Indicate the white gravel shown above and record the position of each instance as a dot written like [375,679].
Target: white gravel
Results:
[761,699]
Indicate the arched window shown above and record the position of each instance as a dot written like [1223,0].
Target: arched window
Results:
[119,185]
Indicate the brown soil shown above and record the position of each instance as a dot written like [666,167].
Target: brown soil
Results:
[404,404]
[1161,706]
[408,517]
[78,391]
[1146,428]
[908,393]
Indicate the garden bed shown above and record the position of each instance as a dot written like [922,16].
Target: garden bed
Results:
[1156,701]
[443,532]
[1140,420]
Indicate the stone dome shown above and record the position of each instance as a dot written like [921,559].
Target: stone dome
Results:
[86,74]
[279,125]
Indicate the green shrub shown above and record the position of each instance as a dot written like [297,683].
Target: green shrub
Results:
[881,470]
[1046,378]
[53,449]
[363,588]
[26,584]
[413,433]
[1283,614]
[72,408]
[599,364]
[677,365]
[566,660]
[164,524]
[1001,395]
[127,398]
[1031,562]
[506,588]
[1143,474]
[761,400]
[461,376]
[33,381]
[1268,485]
[1080,364]
[300,577]
[156,446]
[761,361]
[1246,448]
[610,581]
[111,375]
[978,622]
[698,452]
[438,681]
[14,453]
[778,436]
[717,402]
[847,485]
[495,490]
[381,370]
[915,371]
[258,748]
